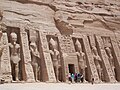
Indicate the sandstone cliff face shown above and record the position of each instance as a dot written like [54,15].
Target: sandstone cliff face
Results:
[64,16]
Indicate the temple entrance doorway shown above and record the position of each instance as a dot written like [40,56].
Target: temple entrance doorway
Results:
[71,68]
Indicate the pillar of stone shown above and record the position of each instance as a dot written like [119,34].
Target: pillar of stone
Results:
[26,56]
[5,60]
[109,76]
[91,64]
[46,61]
[116,52]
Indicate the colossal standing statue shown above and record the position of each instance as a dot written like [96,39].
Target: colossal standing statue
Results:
[97,61]
[15,54]
[81,58]
[110,57]
[55,57]
[35,57]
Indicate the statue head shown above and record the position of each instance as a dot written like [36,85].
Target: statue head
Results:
[53,43]
[13,36]
[33,39]
[108,50]
[94,49]
[33,45]
[78,44]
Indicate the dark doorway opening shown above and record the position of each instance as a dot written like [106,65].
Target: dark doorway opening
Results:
[71,68]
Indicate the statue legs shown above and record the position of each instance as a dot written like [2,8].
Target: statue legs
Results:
[17,71]
[100,73]
[35,69]
[113,70]
[36,75]
[57,73]
[83,72]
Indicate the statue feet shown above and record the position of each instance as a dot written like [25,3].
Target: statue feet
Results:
[101,81]
[57,81]
[85,81]
[37,80]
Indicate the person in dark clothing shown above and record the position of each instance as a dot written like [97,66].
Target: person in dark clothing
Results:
[76,77]
[82,78]
[92,79]
[69,78]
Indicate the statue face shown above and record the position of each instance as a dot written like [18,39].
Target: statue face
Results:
[14,39]
[94,49]
[79,48]
[13,36]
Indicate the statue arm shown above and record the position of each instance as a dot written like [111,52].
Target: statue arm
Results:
[77,53]
[57,52]
[31,50]
[19,52]
[51,52]
[84,58]
[37,53]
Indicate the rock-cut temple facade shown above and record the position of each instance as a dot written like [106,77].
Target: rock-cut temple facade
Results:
[46,40]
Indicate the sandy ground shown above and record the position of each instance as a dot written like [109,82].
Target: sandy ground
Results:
[58,86]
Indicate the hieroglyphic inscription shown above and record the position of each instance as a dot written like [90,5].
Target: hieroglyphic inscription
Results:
[27,58]
[49,63]
[108,71]
[66,44]
[5,60]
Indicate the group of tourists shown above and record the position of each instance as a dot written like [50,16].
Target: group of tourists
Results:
[77,77]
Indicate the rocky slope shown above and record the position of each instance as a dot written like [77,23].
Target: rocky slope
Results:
[64,15]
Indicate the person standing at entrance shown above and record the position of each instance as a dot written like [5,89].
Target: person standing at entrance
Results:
[72,76]
[69,78]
